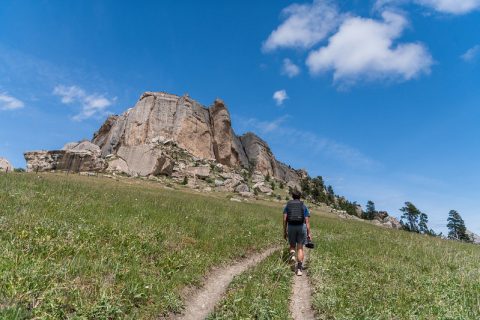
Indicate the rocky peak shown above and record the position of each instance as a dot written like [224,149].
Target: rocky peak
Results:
[132,138]
[5,165]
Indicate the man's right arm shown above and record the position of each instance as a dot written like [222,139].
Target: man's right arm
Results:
[285,226]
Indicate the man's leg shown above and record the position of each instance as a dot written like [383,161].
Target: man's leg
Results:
[292,253]
[300,252]
[292,242]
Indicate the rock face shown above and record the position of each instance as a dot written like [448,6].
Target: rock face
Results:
[5,165]
[134,142]
[74,157]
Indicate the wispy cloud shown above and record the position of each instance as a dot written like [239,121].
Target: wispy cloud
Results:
[280,96]
[304,26]
[290,69]
[312,144]
[92,104]
[8,102]
[471,54]
[253,124]
[455,7]
[364,49]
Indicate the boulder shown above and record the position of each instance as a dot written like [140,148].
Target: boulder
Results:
[201,172]
[392,222]
[5,165]
[242,188]
[265,189]
[117,165]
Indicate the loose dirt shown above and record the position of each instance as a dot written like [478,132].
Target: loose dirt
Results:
[202,302]
[301,300]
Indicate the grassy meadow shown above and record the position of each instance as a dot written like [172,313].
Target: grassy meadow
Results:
[76,247]
[360,271]
[94,248]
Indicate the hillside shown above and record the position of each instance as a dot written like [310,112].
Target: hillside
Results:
[92,247]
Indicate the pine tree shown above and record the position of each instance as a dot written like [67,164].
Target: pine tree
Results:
[411,215]
[422,224]
[456,227]
[370,213]
[305,186]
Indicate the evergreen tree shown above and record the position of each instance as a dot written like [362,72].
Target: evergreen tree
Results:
[370,213]
[411,215]
[422,224]
[330,191]
[305,186]
[456,227]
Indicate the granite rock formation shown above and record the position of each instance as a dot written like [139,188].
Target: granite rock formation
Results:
[74,156]
[5,165]
[139,142]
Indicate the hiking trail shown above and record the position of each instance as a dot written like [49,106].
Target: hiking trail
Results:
[203,301]
[301,299]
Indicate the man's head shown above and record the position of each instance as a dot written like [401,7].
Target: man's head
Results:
[296,195]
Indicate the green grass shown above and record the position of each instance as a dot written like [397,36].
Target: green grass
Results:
[260,293]
[364,272]
[93,248]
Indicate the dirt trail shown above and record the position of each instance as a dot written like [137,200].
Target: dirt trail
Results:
[301,300]
[202,302]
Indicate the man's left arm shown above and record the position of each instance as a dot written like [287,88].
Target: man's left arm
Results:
[307,222]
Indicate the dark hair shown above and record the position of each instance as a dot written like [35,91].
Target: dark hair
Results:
[296,194]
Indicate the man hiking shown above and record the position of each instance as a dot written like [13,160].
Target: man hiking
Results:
[296,228]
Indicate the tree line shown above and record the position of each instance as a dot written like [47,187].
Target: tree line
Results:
[412,219]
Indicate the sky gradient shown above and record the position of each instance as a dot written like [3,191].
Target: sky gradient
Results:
[379,97]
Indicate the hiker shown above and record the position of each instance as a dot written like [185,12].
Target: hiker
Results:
[296,228]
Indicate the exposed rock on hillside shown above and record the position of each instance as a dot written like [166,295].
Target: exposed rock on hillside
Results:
[5,165]
[148,138]
[74,156]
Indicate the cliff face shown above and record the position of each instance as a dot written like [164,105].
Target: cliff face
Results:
[132,139]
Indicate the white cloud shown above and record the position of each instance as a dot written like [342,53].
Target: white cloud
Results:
[92,104]
[445,6]
[364,48]
[290,69]
[452,6]
[280,96]
[8,102]
[471,54]
[305,25]
[69,94]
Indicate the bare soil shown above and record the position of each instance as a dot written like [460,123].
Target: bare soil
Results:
[301,299]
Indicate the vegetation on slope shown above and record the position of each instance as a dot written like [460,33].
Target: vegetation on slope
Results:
[95,248]
[261,293]
[363,272]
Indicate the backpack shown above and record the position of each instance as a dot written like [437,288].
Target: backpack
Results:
[295,213]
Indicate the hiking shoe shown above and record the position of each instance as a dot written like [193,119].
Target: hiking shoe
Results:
[299,271]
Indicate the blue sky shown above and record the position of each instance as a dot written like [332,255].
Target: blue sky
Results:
[380,97]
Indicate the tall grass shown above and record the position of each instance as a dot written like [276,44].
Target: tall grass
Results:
[365,272]
[95,248]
